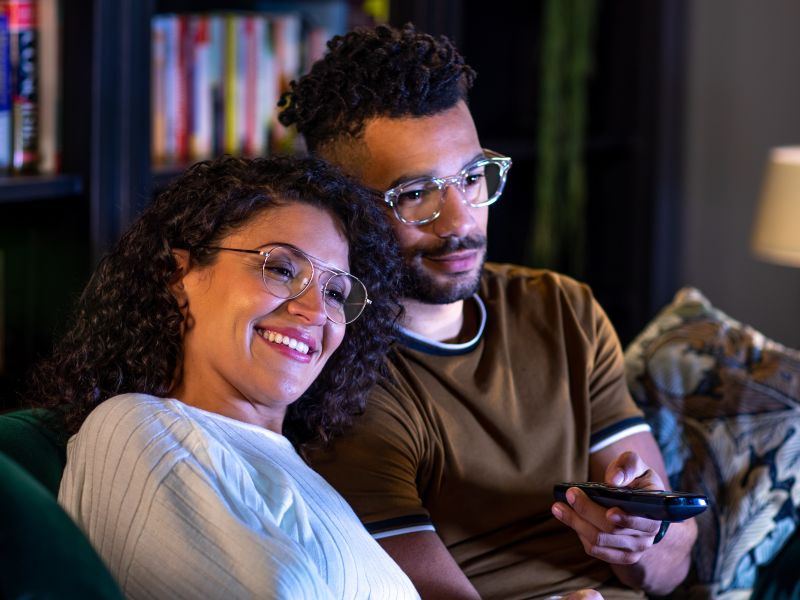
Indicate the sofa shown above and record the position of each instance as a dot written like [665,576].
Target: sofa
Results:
[43,554]
[723,402]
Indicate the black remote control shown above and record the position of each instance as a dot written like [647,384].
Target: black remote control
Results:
[659,505]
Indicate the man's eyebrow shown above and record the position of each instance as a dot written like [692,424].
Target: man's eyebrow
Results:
[407,178]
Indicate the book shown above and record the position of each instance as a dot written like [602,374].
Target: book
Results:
[229,95]
[5,92]
[287,36]
[25,108]
[201,95]
[158,102]
[217,79]
[267,85]
[49,39]
[183,106]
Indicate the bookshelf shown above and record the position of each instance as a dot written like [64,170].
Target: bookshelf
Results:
[20,189]
[54,227]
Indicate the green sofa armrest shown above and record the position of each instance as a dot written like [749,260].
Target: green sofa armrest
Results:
[43,554]
[28,439]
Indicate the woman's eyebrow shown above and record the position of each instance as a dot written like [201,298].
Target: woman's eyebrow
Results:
[318,261]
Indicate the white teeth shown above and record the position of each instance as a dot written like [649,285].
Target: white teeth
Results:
[278,338]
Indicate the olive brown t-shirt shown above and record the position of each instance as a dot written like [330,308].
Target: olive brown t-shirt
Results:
[467,439]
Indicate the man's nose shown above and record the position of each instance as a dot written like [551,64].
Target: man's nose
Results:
[456,218]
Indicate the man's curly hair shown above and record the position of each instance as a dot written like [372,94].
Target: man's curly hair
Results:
[369,73]
[125,335]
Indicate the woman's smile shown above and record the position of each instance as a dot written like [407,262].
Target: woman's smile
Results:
[291,342]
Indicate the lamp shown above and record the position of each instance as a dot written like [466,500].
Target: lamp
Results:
[776,236]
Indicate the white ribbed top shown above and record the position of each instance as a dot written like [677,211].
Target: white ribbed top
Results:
[183,503]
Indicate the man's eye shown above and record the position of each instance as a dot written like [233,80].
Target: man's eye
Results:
[473,179]
[411,196]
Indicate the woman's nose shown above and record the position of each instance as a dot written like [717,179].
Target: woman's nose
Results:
[309,305]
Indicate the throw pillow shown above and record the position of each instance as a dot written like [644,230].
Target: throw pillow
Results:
[724,405]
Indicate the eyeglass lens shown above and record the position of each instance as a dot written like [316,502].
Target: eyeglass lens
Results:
[420,201]
[287,273]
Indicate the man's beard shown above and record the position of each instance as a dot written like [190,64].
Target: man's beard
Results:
[420,285]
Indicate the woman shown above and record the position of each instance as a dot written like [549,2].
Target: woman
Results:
[223,333]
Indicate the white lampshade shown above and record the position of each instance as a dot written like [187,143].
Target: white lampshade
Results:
[776,236]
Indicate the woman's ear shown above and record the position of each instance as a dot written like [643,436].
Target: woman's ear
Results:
[182,263]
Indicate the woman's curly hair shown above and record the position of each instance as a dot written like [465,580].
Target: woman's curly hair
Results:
[125,335]
[368,73]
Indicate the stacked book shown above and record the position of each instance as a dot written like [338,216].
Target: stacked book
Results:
[29,86]
[217,78]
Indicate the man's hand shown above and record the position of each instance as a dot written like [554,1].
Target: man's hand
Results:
[584,595]
[611,534]
[623,541]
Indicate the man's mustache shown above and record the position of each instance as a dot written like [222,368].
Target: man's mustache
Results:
[450,245]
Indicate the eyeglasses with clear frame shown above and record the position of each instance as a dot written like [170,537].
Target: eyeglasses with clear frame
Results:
[287,272]
[481,183]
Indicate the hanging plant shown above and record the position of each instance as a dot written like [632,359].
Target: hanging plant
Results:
[558,221]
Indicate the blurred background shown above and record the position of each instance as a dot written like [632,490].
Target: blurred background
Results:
[640,133]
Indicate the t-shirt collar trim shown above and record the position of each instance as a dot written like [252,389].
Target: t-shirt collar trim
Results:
[421,343]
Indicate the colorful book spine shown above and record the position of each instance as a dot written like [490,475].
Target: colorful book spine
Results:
[231,143]
[287,29]
[49,39]
[267,84]
[217,78]
[24,54]
[171,87]
[240,97]
[201,97]
[5,93]
[158,102]
[250,86]
[216,73]
[182,90]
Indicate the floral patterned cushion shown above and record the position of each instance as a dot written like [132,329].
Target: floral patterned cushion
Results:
[724,405]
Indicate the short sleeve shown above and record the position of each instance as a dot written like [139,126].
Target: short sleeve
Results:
[382,464]
[614,413]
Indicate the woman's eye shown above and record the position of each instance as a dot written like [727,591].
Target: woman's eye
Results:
[334,296]
[279,271]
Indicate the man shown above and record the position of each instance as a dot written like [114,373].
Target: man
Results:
[507,380]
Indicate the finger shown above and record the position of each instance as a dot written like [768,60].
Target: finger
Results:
[585,595]
[624,469]
[629,470]
[613,554]
[586,508]
[574,520]
[625,523]
[615,546]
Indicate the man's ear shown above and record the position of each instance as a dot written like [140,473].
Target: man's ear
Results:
[182,263]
